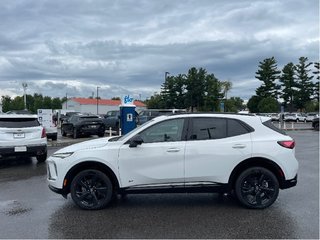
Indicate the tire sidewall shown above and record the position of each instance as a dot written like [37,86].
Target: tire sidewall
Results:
[246,173]
[103,203]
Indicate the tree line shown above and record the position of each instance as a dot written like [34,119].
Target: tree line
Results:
[293,86]
[35,102]
[197,90]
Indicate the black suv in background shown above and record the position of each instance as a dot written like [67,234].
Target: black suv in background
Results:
[80,124]
[112,119]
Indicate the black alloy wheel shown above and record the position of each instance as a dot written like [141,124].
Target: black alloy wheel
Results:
[91,189]
[257,188]
[63,133]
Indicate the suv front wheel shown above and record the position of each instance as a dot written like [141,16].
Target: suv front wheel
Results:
[257,188]
[91,189]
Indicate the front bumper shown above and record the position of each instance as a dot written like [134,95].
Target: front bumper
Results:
[290,183]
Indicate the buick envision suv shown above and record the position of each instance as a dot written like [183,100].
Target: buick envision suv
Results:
[244,155]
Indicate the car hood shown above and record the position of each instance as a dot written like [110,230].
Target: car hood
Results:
[91,144]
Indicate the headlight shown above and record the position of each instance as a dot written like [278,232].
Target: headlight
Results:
[62,155]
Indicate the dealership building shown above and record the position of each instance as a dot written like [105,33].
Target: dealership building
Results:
[94,106]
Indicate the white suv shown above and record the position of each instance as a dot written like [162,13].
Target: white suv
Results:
[22,135]
[242,154]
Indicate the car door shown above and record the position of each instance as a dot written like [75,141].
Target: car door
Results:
[159,160]
[214,147]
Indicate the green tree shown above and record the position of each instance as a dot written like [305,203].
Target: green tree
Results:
[212,93]
[288,85]
[268,74]
[195,83]
[304,83]
[268,105]
[6,103]
[253,104]
[155,102]
[56,103]
[226,85]
[316,85]
[234,104]
[17,103]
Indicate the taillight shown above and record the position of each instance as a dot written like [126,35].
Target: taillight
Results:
[43,134]
[287,144]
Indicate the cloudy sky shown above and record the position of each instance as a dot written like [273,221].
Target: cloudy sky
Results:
[126,46]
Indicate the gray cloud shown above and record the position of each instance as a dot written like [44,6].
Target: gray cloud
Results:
[61,47]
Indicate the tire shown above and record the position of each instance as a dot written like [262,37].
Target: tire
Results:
[257,188]
[63,133]
[42,158]
[316,126]
[91,190]
[101,134]
[55,137]
[75,133]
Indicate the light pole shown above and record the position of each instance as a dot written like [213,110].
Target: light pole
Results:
[66,100]
[25,85]
[98,100]
[166,75]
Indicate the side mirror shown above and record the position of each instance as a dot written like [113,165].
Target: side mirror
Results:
[135,141]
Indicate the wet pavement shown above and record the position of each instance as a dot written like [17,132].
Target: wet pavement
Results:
[28,209]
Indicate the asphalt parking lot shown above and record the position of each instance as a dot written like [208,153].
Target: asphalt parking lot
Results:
[28,209]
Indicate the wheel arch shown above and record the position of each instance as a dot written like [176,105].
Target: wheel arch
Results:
[89,165]
[256,162]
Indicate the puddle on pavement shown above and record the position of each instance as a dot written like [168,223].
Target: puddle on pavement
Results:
[13,208]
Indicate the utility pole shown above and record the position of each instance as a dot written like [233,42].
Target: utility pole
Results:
[25,85]
[98,100]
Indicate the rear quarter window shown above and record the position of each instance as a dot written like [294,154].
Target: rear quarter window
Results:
[18,122]
[270,125]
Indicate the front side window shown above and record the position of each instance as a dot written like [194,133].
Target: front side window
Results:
[166,131]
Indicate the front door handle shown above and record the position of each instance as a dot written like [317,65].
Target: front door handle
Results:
[173,150]
[239,146]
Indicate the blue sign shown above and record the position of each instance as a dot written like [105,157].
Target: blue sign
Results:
[127,100]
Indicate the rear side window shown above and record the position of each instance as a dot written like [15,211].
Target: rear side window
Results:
[270,125]
[208,128]
[19,122]
[217,128]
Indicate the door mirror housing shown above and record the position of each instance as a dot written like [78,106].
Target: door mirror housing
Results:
[135,141]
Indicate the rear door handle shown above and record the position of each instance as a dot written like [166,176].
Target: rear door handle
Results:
[173,150]
[239,146]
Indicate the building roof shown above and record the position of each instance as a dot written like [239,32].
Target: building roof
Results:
[93,101]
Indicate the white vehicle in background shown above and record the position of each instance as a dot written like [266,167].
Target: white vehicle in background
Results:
[275,116]
[294,117]
[49,122]
[311,116]
[22,135]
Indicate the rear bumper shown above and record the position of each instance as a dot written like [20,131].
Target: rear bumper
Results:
[31,150]
[290,183]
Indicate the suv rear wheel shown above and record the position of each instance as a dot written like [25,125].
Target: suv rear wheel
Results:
[42,158]
[257,187]
[91,189]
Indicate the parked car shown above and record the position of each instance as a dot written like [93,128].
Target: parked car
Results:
[311,116]
[147,115]
[79,124]
[295,117]
[65,117]
[275,116]
[112,119]
[226,153]
[22,135]
[315,123]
